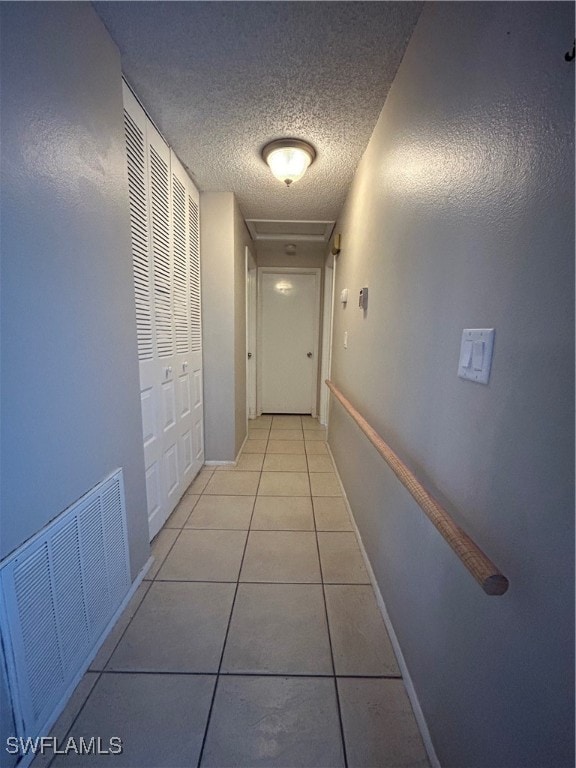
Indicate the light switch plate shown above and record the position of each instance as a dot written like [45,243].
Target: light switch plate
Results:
[476,354]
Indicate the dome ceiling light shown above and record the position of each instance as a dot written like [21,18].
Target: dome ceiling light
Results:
[288,158]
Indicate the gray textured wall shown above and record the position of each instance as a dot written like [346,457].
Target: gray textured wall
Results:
[461,215]
[223,238]
[273,254]
[217,244]
[7,727]
[70,390]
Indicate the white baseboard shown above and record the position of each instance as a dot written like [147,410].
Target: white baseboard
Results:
[227,463]
[241,447]
[407,680]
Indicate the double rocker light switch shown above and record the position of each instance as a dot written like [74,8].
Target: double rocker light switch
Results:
[476,354]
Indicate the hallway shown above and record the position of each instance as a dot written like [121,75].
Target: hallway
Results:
[258,591]
[139,219]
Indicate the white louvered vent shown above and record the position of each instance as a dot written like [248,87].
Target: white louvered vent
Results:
[60,591]
[135,150]
[195,318]
[161,251]
[181,330]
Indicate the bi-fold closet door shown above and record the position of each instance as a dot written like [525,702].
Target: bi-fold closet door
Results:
[165,228]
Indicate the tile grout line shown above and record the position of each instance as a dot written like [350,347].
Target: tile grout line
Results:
[103,671]
[151,581]
[208,719]
[343,740]
[191,511]
[336,689]
[201,494]
[279,530]
[100,672]
[216,581]
[297,675]
[180,529]
[124,632]
[183,673]
[77,715]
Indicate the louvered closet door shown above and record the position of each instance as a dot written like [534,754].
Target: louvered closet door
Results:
[195,328]
[136,126]
[162,261]
[166,254]
[188,365]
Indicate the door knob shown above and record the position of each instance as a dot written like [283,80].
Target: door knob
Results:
[249,355]
[309,354]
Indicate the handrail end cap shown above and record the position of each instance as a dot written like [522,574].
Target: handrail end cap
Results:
[497,584]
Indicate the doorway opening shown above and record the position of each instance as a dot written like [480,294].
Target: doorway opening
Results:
[288,345]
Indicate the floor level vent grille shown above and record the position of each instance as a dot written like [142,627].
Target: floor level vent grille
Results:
[59,592]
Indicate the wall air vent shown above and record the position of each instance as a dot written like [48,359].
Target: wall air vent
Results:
[59,592]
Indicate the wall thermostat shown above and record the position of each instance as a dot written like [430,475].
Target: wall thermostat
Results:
[363,299]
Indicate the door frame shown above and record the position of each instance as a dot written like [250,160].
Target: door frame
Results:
[251,344]
[317,273]
[327,326]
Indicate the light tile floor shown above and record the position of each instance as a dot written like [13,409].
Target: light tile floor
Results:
[255,639]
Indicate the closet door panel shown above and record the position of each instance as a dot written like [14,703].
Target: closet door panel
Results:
[195,329]
[136,129]
[181,270]
[198,421]
[181,187]
[161,216]
[164,219]
[159,164]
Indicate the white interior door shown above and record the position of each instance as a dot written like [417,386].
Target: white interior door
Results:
[289,303]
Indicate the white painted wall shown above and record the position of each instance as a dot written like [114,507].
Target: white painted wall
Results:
[223,237]
[271,254]
[217,263]
[70,394]
[70,397]
[461,215]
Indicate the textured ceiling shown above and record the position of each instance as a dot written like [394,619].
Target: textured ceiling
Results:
[221,79]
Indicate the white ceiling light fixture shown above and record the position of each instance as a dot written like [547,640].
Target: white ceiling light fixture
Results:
[289,159]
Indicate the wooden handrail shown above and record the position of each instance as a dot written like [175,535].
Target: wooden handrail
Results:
[480,566]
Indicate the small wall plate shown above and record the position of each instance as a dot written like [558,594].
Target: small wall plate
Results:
[476,354]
